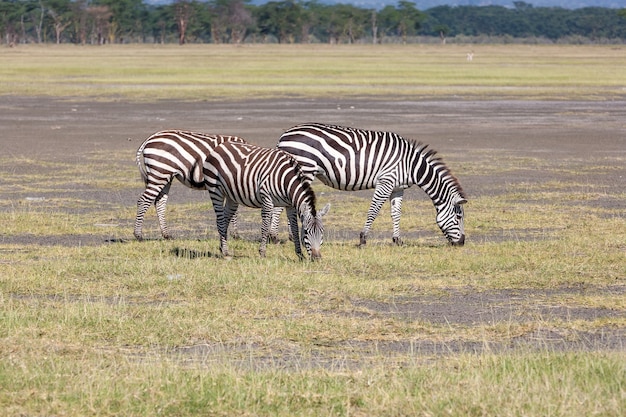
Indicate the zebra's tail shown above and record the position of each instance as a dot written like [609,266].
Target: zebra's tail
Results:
[141,163]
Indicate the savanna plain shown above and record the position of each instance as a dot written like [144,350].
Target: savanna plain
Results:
[527,319]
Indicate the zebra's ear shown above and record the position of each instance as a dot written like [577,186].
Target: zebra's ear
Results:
[325,210]
[461,201]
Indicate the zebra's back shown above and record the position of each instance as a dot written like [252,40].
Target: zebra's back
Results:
[179,153]
[344,158]
[248,174]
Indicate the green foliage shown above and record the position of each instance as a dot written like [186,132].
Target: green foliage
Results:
[291,21]
[280,19]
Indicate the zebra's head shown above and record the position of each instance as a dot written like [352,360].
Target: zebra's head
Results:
[450,220]
[313,232]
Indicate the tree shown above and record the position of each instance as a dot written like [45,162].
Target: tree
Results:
[162,22]
[280,19]
[11,13]
[38,14]
[125,20]
[183,11]
[230,20]
[60,12]
[374,28]
[100,16]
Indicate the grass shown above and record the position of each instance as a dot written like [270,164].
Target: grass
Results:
[212,72]
[144,328]
[552,385]
[526,319]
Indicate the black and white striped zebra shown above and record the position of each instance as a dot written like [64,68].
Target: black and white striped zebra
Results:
[354,159]
[167,155]
[241,173]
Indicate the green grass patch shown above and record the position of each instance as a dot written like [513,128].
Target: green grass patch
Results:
[212,72]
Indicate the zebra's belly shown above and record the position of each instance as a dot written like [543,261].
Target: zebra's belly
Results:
[189,182]
[346,185]
[256,200]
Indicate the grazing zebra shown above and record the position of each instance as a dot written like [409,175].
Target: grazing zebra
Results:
[241,173]
[353,159]
[167,155]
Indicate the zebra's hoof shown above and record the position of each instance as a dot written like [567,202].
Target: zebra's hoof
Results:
[362,240]
[397,241]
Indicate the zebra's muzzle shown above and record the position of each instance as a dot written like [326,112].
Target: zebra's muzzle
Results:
[459,242]
[316,255]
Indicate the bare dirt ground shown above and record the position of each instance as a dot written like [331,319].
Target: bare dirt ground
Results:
[566,133]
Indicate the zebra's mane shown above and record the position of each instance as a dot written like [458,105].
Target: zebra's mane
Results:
[309,196]
[434,160]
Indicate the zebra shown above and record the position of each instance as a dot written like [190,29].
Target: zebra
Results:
[170,154]
[242,173]
[352,159]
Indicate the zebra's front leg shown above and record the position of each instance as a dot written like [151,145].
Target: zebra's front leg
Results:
[292,216]
[396,211]
[234,226]
[267,211]
[381,194]
[273,235]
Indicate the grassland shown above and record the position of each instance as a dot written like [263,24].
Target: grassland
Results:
[208,72]
[527,319]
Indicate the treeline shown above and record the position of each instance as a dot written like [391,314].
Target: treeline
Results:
[289,21]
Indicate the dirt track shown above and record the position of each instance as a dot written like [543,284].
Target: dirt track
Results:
[556,131]
[577,134]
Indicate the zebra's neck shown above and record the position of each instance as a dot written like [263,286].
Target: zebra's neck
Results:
[304,199]
[432,175]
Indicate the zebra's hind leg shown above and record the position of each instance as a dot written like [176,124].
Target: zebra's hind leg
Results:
[160,205]
[143,204]
[396,211]
[220,220]
[228,211]
[152,195]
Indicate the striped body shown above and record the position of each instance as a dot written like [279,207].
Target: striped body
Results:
[354,159]
[241,173]
[167,155]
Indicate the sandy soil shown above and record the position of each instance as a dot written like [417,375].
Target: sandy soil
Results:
[576,134]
